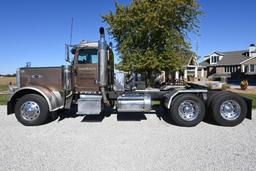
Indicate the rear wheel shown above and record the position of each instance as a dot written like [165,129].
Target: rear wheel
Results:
[228,109]
[187,110]
[211,96]
[31,110]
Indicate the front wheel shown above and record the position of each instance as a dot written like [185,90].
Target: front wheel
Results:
[187,110]
[31,110]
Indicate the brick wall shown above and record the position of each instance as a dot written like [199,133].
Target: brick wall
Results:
[220,70]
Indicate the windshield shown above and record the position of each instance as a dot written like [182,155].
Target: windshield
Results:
[88,56]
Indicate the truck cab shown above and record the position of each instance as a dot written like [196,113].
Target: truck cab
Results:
[85,65]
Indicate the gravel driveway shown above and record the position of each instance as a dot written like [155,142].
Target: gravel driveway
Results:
[122,143]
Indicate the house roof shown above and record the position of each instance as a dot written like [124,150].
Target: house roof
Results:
[192,61]
[248,60]
[233,58]
[216,52]
[229,58]
[204,63]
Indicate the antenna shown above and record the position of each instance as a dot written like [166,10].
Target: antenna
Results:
[197,55]
[197,47]
[71,31]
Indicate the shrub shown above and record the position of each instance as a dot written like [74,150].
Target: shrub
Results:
[244,84]
[210,86]
[225,86]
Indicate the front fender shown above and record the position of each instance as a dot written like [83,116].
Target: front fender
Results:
[53,98]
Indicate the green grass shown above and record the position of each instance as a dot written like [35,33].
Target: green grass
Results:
[154,102]
[250,96]
[4,99]
[3,88]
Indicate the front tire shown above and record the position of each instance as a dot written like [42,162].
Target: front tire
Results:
[187,110]
[31,110]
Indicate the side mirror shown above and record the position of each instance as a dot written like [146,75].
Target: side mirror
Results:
[67,53]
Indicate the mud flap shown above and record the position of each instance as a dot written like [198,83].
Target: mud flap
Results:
[249,108]
[9,108]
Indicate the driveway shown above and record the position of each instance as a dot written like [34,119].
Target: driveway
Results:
[141,142]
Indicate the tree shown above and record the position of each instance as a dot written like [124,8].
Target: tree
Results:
[151,35]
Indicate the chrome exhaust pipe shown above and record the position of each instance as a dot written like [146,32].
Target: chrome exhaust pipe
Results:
[102,58]
[102,45]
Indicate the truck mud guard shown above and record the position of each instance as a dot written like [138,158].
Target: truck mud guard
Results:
[170,96]
[53,98]
[249,108]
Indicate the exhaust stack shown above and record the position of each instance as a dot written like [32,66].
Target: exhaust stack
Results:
[102,59]
[102,45]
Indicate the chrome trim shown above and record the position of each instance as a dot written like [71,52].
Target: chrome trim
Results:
[13,88]
[59,98]
[89,105]
[30,110]
[170,96]
[188,110]
[230,110]
[18,78]
[102,63]
[134,103]
[102,47]
[67,77]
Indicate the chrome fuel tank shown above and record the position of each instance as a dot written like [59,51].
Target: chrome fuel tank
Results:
[134,102]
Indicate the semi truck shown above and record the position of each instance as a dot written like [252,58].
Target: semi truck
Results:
[90,84]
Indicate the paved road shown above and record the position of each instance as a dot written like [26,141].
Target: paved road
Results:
[118,143]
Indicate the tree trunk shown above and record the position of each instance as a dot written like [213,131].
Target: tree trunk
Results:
[149,79]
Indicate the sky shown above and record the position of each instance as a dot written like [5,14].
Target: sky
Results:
[36,30]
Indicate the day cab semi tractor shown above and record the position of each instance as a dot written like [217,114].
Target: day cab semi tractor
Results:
[90,84]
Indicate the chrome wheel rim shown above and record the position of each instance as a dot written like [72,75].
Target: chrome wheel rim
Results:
[30,110]
[188,110]
[230,110]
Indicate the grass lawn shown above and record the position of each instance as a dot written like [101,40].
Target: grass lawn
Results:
[3,99]
[7,80]
[3,88]
[250,96]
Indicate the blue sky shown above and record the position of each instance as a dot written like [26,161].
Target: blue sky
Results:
[36,30]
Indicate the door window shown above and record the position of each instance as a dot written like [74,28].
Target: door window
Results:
[88,56]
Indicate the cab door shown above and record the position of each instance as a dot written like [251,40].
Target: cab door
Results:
[86,70]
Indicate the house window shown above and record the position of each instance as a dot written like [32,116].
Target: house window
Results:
[252,68]
[214,59]
[230,69]
[246,68]
[227,69]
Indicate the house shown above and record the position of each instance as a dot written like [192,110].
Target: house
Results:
[193,71]
[230,66]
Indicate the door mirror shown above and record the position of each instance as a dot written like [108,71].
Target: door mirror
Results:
[67,53]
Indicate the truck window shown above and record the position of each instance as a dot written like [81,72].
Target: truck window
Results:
[88,56]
